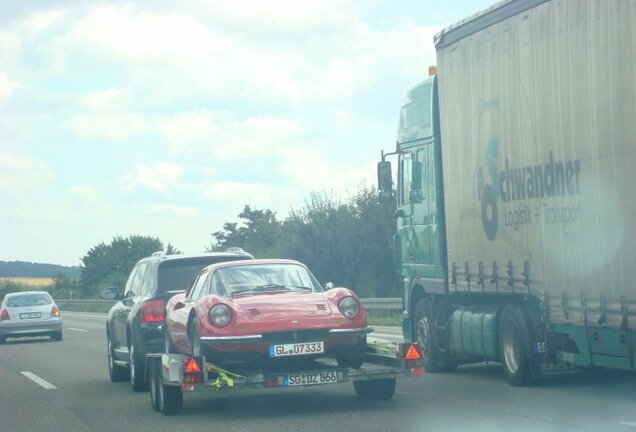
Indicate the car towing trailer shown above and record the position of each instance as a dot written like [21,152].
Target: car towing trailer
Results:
[170,375]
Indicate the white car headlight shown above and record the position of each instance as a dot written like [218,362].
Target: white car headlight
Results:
[220,315]
[349,307]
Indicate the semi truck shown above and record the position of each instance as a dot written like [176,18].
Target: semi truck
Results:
[515,196]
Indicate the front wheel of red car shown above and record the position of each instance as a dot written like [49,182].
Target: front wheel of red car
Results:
[194,338]
[352,357]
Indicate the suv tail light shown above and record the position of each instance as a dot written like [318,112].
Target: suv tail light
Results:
[153,311]
[4,315]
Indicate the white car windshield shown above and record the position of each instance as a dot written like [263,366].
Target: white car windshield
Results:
[262,277]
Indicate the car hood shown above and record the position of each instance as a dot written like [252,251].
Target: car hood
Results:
[269,306]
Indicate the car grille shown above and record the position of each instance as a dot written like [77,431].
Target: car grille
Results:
[299,335]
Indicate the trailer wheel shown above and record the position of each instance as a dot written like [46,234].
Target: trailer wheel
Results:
[117,373]
[424,334]
[515,345]
[164,398]
[383,389]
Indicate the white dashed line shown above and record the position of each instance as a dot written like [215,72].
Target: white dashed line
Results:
[76,329]
[33,377]
[628,423]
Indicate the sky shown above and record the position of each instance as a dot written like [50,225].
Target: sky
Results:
[164,119]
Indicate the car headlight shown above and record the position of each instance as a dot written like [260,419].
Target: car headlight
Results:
[220,315]
[349,307]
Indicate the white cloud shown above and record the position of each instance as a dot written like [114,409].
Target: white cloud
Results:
[171,210]
[238,193]
[217,138]
[161,177]
[86,192]
[20,172]
[110,99]
[107,126]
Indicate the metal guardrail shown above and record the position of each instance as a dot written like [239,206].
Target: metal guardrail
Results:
[393,303]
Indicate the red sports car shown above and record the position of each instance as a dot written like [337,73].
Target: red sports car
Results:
[265,311]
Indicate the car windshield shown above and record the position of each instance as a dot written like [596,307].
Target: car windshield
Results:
[262,277]
[23,300]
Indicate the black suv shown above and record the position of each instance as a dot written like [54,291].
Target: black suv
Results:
[135,323]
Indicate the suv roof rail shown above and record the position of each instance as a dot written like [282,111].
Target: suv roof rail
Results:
[236,250]
[159,253]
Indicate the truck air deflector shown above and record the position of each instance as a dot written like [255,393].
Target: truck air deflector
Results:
[482,20]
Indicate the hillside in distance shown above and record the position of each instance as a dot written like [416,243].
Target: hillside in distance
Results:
[29,269]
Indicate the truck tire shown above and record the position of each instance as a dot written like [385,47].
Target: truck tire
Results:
[117,373]
[136,370]
[382,389]
[352,357]
[423,333]
[515,345]
[164,398]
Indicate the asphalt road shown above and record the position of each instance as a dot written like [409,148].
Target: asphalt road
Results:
[76,395]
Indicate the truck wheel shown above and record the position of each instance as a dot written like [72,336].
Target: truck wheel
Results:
[164,398]
[423,333]
[383,389]
[515,345]
[352,357]
[117,373]
[137,378]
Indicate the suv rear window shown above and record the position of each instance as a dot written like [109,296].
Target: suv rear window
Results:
[178,273]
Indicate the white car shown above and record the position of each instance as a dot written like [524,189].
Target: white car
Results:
[29,313]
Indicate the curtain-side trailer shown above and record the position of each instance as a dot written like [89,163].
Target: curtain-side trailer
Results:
[516,190]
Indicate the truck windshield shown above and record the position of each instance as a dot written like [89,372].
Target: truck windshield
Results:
[416,115]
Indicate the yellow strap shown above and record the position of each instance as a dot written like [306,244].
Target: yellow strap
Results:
[223,379]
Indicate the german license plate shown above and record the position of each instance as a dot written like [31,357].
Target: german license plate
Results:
[296,349]
[30,315]
[310,378]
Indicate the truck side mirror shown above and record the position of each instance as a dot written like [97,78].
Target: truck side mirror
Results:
[385,180]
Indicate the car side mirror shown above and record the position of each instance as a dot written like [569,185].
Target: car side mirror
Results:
[111,293]
[329,285]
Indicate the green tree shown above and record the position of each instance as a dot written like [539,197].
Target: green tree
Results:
[109,264]
[258,233]
[348,241]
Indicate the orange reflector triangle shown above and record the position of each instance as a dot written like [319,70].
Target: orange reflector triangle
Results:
[412,353]
[192,366]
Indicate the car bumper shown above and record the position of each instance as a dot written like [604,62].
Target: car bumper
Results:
[30,328]
[259,344]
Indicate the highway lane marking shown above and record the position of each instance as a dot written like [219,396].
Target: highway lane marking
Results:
[33,377]
[628,423]
[77,329]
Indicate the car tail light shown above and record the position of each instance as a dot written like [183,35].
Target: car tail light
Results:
[55,312]
[4,315]
[152,311]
